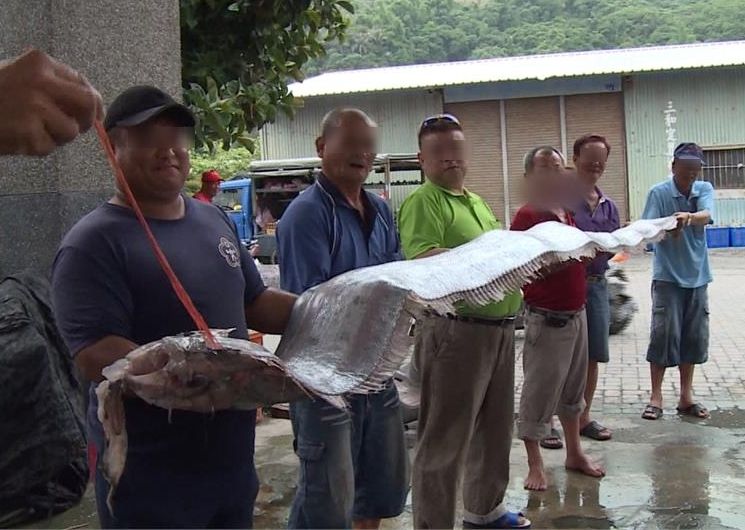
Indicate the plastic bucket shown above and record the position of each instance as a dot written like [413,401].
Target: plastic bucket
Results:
[717,237]
[737,236]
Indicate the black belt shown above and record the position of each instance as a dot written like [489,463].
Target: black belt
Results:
[596,278]
[555,319]
[497,322]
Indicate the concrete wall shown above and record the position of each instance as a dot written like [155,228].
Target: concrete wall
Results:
[495,168]
[530,122]
[483,129]
[602,114]
[115,45]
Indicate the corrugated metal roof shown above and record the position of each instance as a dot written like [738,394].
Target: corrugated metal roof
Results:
[596,62]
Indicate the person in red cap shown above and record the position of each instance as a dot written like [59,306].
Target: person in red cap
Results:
[210,186]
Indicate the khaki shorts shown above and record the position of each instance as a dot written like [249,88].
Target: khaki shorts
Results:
[555,371]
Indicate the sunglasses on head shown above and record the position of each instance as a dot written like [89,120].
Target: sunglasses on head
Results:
[437,118]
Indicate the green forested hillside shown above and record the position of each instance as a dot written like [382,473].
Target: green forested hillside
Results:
[395,32]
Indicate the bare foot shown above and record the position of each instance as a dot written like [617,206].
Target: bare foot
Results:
[584,464]
[536,480]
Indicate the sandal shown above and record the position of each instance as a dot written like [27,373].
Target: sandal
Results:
[596,431]
[697,410]
[507,520]
[552,441]
[652,412]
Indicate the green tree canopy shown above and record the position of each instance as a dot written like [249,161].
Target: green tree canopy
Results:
[238,55]
[227,163]
[395,32]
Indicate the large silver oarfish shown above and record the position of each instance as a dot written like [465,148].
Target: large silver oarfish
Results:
[347,335]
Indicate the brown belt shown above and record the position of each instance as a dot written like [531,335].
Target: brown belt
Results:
[556,319]
[497,322]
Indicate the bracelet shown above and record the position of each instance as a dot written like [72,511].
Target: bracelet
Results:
[688,221]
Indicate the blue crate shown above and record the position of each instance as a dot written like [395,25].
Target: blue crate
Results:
[717,237]
[737,236]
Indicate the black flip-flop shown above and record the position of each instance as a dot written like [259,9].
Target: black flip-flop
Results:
[695,411]
[595,431]
[651,412]
[552,441]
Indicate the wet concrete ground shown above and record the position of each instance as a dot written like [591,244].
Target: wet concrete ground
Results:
[672,473]
[665,474]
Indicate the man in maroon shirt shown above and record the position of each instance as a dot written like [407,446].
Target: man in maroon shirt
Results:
[210,186]
[555,351]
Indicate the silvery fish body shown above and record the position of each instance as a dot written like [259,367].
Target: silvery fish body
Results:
[182,372]
[349,334]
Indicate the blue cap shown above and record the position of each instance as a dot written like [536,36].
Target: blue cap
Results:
[689,151]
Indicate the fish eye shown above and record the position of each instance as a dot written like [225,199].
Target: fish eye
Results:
[198,381]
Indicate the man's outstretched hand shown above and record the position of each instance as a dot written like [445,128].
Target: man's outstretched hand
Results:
[683,220]
[44,104]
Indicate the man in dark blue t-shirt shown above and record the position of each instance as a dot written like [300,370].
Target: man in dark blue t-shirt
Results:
[184,469]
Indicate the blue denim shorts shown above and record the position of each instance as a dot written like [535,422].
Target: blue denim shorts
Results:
[598,320]
[680,325]
[353,463]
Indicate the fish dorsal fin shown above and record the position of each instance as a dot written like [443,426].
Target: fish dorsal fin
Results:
[222,333]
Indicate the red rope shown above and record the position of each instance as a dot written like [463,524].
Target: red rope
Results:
[178,287]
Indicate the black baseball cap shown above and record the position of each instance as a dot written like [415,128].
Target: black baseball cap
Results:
[689,151]
[138,104]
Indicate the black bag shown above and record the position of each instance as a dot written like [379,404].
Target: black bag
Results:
[43,457]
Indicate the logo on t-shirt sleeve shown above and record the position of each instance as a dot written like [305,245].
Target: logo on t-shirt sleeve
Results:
[229,251]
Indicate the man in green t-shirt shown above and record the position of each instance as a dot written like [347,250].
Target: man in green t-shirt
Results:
[466,360]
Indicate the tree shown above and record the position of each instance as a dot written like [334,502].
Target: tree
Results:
[238,55]
[395,32]
[227,163]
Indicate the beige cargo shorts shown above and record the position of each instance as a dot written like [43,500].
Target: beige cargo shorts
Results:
[555,370]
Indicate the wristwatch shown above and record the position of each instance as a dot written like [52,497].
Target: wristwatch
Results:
[688,220]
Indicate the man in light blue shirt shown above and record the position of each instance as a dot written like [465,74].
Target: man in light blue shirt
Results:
[680,307]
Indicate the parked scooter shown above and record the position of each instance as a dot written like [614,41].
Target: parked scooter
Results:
[622,306]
